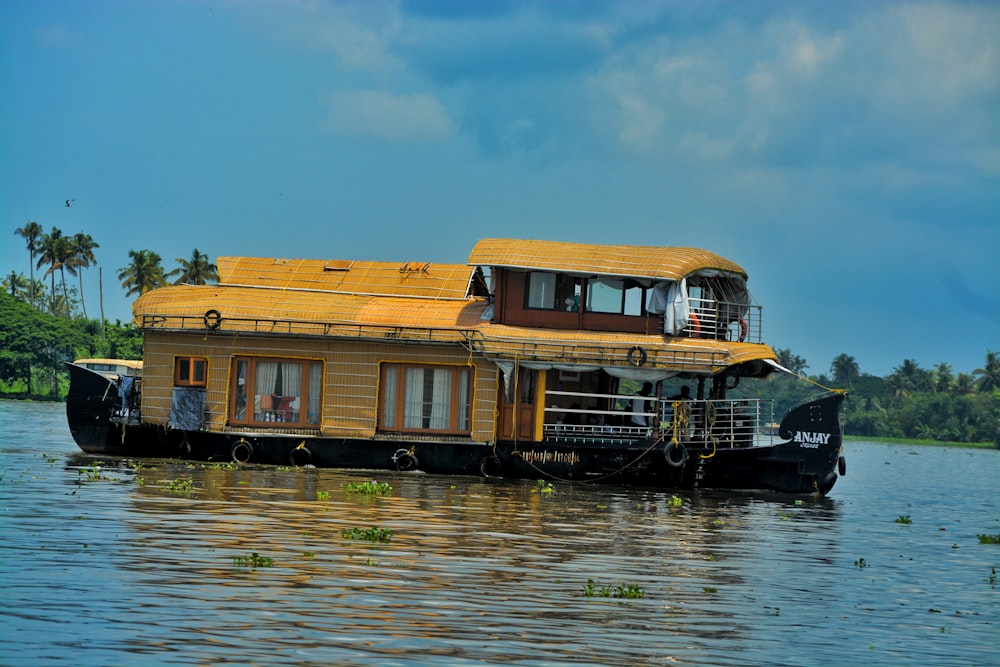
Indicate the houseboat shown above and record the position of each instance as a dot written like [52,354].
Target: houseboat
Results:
[534,359]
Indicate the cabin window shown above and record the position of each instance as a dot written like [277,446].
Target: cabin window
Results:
[434,399]
[541,290]
[190,372]
[552,291]
[616,297]
[276,391]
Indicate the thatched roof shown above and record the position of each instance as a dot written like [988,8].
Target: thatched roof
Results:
[413,279]
[627,261]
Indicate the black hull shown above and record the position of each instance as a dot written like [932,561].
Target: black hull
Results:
[807,462]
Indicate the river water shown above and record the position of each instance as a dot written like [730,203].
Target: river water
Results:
[106,562]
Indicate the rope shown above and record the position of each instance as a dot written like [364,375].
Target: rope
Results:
[710,415]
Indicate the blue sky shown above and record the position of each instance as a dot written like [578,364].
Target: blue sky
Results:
[846,154]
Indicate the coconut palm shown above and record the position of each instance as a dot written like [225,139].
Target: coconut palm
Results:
[944,378]
[844,368]
[53,250]
[908,378]
[965,384]
[988,377]
[31,233]
[16,284]
[81,256]
[195,271]
[144,273]
[792,362]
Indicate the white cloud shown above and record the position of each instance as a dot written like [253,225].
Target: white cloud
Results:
[389,116]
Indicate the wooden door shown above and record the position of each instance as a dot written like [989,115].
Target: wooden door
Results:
[518,406]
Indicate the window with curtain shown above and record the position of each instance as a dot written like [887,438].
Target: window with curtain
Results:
[415,398]
[276,392]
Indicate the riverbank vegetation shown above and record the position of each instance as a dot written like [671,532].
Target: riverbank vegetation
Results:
[44,325]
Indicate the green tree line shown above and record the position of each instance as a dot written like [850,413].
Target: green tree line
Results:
[43,325]
[911,402]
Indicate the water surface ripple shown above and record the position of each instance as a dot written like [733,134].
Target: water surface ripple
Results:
[105,562]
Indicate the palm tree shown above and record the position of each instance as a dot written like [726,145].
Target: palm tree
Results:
[81,256]
[195,271]
[31,232]
[908,378]
[16,284]
[988,377]
[844,368]
[53,250]
[144,273]
[792,362]
[964,384]
[944,378]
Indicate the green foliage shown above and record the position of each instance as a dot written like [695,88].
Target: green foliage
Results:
[252,560]
[33,347]
[626,591]
[911,403]
[372,534]
[989,539]
[371,488]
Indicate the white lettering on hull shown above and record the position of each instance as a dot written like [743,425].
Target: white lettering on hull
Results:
[811,440]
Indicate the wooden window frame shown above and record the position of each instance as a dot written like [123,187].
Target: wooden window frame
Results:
[243,397]
[190,364]
[399,399]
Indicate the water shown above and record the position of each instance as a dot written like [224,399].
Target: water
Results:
[119,566]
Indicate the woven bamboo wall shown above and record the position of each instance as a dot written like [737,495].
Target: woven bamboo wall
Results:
[350,382]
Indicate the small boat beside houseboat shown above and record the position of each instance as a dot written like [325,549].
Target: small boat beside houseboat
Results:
[534,359]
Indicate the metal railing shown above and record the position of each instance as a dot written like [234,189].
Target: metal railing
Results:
[697,423]
[721,320]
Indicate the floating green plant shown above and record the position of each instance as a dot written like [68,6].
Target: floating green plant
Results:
[93,474]
[372,534]
[545,487]
[322,495]
[989,539]
[178,485]
[229,465]
[861,563]
[372,488]
[785,516]
[710,589]
[903,519]
[252,560]
[626,591]
[993,577]
[675,501]
[718,522]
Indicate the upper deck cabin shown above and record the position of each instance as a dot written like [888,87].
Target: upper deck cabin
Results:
[684,292]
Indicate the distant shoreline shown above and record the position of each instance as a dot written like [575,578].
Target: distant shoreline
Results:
[932,443]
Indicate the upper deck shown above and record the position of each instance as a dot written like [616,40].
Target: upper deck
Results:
[687,310]
[676,291]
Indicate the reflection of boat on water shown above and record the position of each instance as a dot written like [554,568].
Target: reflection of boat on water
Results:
[534,359]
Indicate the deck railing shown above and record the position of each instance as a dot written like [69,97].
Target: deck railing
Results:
[697,423]
[721,320]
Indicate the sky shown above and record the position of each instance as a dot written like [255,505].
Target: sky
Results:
[846,154]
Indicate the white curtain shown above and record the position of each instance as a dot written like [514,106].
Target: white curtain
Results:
[413,409]
[440,399]
[315,391]
[463,399]
[291,379]
[265,378]
[390,382]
